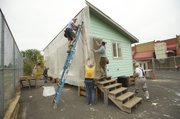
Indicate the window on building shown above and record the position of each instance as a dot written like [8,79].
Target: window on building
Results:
[116,50]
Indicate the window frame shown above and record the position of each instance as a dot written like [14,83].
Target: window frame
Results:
[118,52]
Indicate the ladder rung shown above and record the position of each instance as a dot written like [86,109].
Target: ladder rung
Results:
[57,93]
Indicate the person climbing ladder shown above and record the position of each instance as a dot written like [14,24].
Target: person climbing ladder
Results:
[66,67]
[69,32]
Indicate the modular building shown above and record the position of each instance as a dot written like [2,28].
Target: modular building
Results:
[97,26]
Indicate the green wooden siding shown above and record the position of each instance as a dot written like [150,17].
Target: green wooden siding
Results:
[117,67]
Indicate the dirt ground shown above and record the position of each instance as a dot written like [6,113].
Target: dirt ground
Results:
[164,104]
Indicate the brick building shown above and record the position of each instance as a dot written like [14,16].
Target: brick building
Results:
[146,55]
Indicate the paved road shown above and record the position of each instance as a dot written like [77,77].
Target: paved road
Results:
[168,74]
[164,104]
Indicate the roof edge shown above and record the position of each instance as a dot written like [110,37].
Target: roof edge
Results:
[124,31]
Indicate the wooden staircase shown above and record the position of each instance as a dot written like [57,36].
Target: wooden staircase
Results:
[119,95]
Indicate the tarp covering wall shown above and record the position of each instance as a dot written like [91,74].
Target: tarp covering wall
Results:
[55,53]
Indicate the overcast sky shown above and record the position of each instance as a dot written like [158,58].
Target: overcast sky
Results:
[34,23]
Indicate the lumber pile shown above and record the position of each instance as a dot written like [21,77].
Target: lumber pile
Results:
[13,108]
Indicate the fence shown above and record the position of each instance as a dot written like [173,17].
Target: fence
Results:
[169,63]
[167,68]
[11,65]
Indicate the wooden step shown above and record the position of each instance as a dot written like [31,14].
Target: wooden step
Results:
[107,82]
[117,91]
[103,78]
[125,96]
[132,103]
[112,86]
[108,77]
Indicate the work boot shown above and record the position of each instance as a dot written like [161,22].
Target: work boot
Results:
[69,48]
[136,91]
[147,98]
[147,95]
[68,51]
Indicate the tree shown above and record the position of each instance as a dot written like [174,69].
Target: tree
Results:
[31,57]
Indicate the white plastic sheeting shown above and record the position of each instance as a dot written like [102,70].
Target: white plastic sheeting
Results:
[48,91]
[55,53]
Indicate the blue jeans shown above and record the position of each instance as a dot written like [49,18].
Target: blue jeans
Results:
[90,92]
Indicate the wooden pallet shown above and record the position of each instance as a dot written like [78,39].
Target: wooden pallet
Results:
[26,81]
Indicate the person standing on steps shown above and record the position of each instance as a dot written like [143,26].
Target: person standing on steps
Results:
[103,58]
[140,82]
[69,32]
